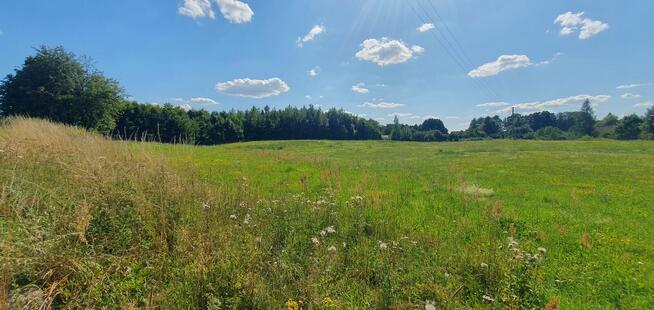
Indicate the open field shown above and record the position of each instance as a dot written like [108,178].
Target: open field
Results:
[319,224]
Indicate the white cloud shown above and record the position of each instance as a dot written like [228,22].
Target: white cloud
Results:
[255,89]
[197,9]
[551,60]
[411,116]
[644,104]
[629,86]
[573,22]
[503,63]
[360,88]
[426,27]
[418,49]
[381,105]
[387,52]
[630,96]
[453,117]
[313,72]
[235,11]
[556,103]
[186,107]
[313,33]
[493,104]
[204,101]
[591,28]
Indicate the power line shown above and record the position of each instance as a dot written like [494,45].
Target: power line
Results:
[457,54]
[458,44]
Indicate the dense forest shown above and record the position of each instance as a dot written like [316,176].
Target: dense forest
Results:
[57,85]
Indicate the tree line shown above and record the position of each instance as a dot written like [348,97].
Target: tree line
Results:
[57,85]
[546,125]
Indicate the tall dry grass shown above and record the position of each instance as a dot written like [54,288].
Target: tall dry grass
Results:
[86,220]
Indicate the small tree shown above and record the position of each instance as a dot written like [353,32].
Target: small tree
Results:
[629,127]
[56,85]
[585,120]
[649,122]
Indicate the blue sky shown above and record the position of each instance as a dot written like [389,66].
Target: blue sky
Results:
[367,56]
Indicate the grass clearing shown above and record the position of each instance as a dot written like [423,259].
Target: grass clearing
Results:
[322,224]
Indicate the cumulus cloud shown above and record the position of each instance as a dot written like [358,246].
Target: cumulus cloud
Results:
[646,104]
[381,105]
[418,49]
[196,9]
[235,11]
[629,86]
[426,27]
[630,96]
[204,101]
[503,63]
[360,88]
[313,72]
[187,104]
[255,89]
[573,22]
[556,103]
[313,33]
[387,52]
[411,116]
[493,104]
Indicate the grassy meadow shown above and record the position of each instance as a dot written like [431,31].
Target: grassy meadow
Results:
[90,223]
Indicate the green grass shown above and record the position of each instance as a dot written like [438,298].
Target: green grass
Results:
[414,223]
[554,192]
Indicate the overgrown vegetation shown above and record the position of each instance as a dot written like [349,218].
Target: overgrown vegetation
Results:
[89,223]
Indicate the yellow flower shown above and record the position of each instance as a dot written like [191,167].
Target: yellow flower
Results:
[328,301]
[293,305]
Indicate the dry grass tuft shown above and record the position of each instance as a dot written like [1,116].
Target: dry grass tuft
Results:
[585,241]
[476,191]
[553,304]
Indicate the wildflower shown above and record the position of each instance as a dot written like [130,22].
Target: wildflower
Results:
[247,219]
[328,301]
[243,204]
[331,249]
[383,245]
[542,250]
[292,305]
[233,216]
[315,240]
[512,242]
[205,206]
[484,265]
[330,230]
[323,233]
[487,298]
[429,305]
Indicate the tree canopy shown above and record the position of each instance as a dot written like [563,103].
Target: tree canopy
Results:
[57,85]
